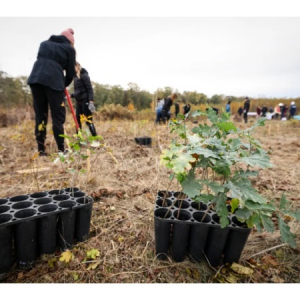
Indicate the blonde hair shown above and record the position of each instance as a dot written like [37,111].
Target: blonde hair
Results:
[78,70]
[174,96]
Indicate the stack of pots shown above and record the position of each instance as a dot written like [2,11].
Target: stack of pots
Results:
[34,224]
[185,227]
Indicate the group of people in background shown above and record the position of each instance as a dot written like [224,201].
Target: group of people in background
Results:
[280,111]
[163,108]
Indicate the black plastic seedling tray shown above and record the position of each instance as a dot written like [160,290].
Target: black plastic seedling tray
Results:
[195,231]
[38,222]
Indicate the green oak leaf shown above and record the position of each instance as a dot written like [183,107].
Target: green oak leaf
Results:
[286,235]
[243,213]
[258,206]
[227,126]
[267,223]
[262,161]
[215,187]
[182,163]
[283,202]
[190,186]
[221,209]
[234,203]
[203,151]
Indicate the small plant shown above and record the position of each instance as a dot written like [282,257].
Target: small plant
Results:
[77,160]
[213,163]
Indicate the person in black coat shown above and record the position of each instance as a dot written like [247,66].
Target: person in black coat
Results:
[47,83]
[186,108]
[176,104]
[83,93]
[246,109]
[167,106]
[264,111]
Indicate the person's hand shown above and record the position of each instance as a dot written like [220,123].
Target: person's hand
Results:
[92,107]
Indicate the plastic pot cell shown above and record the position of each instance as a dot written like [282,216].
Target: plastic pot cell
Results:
[198,235]
[215,243]
[180,235]
[38,195]
[162,232]
[61,197]
[6,239]
[22,205]
[47,227]
[55,192]
[42,201]
[3,201]
[66,225]
[19,198]
[72,190]
[25,238]
[83,218]
[236,241]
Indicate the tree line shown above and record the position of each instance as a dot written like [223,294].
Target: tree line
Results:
[15,92]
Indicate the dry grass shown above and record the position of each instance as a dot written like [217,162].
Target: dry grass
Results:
[122,227]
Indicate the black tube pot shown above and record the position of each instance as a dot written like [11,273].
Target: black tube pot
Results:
[83,218]
[215,243]
[180,235]
[198,236]
[6,240]
[47,229]
[236,241]
[162,232]
[66,225]
[26,238]
[144,141]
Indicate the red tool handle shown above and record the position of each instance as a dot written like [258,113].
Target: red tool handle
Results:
[72,109]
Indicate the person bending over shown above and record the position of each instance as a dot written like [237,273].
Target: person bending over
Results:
[84,95]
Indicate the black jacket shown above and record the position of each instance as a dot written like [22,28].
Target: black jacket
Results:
[247,105]
[167,105]
[176,108]
[83,90]
[55,55]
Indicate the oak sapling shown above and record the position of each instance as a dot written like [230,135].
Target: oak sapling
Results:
[213,162]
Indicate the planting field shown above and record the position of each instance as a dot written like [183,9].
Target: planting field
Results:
[124,180]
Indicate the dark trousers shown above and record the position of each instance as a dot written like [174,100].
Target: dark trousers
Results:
[83,114]
[42,98]
[246,117]
[165,116]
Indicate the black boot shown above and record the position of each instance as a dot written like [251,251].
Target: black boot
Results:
[92,129]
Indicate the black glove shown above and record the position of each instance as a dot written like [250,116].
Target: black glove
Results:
[72,96]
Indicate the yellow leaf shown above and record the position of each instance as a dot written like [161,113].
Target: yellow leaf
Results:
[51,262]
[121,239]
[92,254]
[231,279]
[35,156]
[188,271]
[75,276]
[241,269]
[66,256]
[63,104]
[93,266]
[41,126]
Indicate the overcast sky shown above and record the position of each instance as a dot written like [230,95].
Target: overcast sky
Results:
[212,55]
